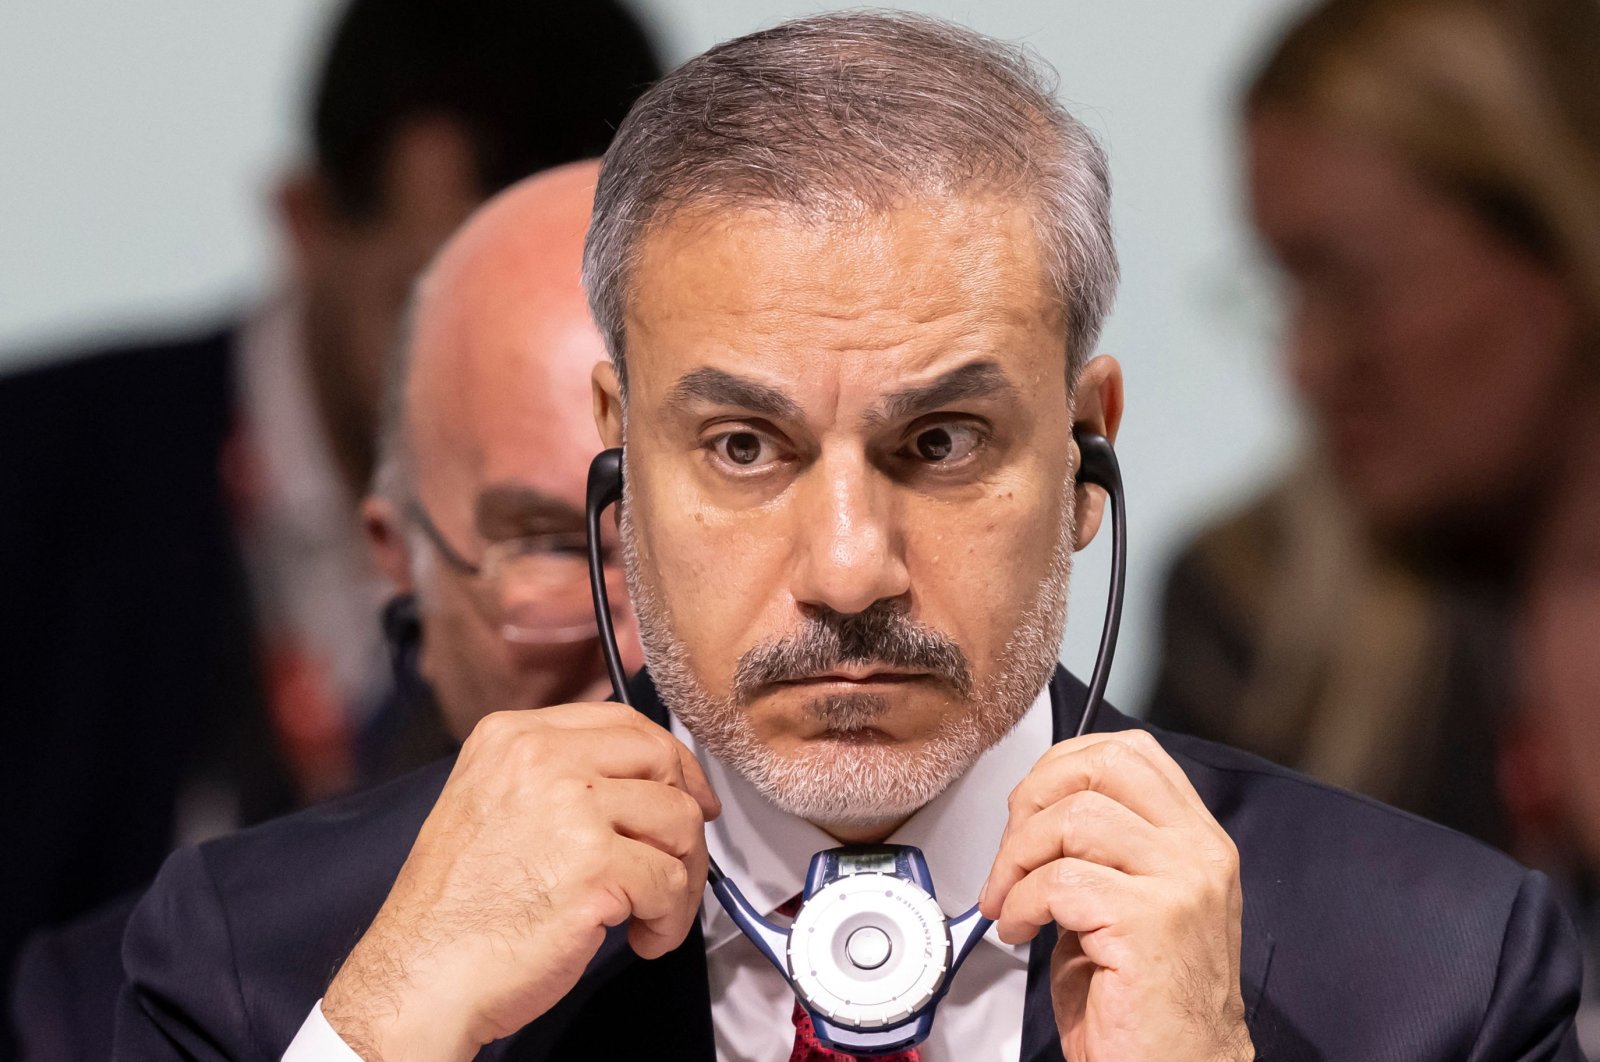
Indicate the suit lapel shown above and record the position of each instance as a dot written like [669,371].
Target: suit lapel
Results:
[1040,1042]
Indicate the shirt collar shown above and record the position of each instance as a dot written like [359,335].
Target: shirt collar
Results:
[766,851]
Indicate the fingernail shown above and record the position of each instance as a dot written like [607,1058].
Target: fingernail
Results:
[983,893]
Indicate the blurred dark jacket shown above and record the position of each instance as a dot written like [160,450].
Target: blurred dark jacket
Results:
[126,622]
[68,979]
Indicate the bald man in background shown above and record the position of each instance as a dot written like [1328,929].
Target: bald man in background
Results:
[485,448]
[484,453]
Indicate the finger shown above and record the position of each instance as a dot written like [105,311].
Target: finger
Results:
[616,752]
[577,715]
[691,776]
[659,815]
[619,752]
[663,895]
[1159,758]
[1118,769]
[586,714]
[1077,895]
[609,740]
[1086,825]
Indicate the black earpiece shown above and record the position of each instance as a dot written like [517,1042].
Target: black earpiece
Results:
[1097,465]
[604,490]
[605,479]
[402,634]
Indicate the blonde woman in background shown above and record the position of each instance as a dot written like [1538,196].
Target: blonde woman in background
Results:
[1427,175]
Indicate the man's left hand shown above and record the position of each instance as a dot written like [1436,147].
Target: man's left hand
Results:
[1108,839]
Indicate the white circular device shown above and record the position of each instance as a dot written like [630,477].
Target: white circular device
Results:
[869,950]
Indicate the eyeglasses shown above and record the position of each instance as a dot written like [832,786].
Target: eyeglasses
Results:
[536,585]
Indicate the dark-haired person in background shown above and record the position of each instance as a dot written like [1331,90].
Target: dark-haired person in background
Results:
[1427,173]
[189,613]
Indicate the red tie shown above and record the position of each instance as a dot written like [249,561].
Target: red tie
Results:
[807,1048]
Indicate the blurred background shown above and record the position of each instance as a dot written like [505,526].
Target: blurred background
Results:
[146,140]
[1363,481]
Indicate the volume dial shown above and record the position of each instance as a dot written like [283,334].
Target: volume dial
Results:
[869,950]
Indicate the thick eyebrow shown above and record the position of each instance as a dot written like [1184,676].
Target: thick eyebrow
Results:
[978,379]
[509,510]
[725,389]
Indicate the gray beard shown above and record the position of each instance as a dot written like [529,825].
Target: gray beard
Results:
[839,782]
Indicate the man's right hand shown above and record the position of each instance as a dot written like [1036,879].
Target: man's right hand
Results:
[553,825]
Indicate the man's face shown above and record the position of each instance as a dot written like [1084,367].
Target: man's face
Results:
[849,509]
[501,435]
[1433,354]
[506,461]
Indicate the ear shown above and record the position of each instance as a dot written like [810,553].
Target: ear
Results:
[385,532]
[607,390]
[306,217]
[1097,406]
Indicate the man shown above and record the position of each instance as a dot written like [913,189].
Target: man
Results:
[485,448]
[851,271]
[510,387]
[190,612]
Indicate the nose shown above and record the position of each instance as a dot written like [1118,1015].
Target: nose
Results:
[850,552]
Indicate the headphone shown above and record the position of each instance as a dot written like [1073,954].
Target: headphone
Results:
[402,637]
[870,953]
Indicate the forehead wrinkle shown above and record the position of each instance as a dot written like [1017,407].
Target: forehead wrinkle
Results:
[854,342]
[895,293]
[911,251]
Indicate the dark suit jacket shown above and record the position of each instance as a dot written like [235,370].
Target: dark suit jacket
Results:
[1368,934]
[68,979]
[124,619]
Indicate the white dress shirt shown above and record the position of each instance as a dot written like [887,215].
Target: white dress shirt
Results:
[767,852]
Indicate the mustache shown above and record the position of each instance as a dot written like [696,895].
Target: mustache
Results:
[827,640]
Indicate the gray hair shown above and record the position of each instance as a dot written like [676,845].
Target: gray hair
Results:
[856,111]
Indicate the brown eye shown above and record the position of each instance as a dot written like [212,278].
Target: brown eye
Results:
[745,450]
[743,447]
[948,444]
[934,444]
